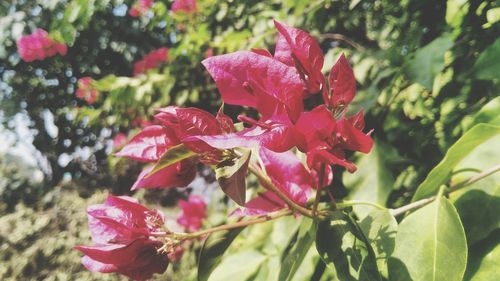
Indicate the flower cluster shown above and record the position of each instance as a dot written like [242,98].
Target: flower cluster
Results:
[275,85]
[122,232]
[140,8]
[85,90]
[184,6]
[152,60]
[39,46]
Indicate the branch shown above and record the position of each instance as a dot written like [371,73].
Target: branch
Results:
[255,220]
[420,203]
[266,182]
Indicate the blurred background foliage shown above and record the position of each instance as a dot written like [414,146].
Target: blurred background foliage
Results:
[424,69]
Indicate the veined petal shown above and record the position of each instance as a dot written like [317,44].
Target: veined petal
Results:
[176,175]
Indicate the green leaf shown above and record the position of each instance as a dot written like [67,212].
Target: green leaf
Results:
[488,113]
[487,65]
[172,155]
[484,193]
[232,177]
[380,227]
[484,260]
[457,152]
[240,266]
[430,245]
[428,61]
[341,243]
[212,250]
[294,255]
[373,180]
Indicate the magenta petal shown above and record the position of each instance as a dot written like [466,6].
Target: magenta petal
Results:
[288,174]
[150,144]
[176,175]
[314,127]
[297,48]
[342,83]
[279,138]
[237,75]
[353,138]
[116,254]
[96,266]
[264,203]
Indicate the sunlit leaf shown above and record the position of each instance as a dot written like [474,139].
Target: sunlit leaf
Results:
[457,152]
[430,245]
[173,155]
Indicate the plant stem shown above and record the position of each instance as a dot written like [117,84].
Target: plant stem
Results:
[318,190]
[349,203]
[267,183]
[259,219]
[420,203]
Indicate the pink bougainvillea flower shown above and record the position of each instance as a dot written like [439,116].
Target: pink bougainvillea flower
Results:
[151,61]
[175,126]
[297,48]
[39,46]
[85,90]
[193,212]
[119,140]
[289,175]
[120,229]
[140,8]
[184,6]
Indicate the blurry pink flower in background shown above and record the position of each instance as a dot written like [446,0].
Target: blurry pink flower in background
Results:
[85,90]
[193,211]
[39,46]
[186,6]
[119,140]
[140,8]
[152,60]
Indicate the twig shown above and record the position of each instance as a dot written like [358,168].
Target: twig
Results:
[340,37]
[420,203]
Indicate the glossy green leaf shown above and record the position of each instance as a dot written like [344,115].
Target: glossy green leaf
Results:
[484,260]
[240,266]
[373,180]
[428,61]
[232,177]
[380,227]
[457,152]
[294,255]
[487,66]
[430,245]
[212,250]
[172,155]
[343,246]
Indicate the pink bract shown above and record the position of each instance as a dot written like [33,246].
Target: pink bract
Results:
[151,61]
[185,6]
